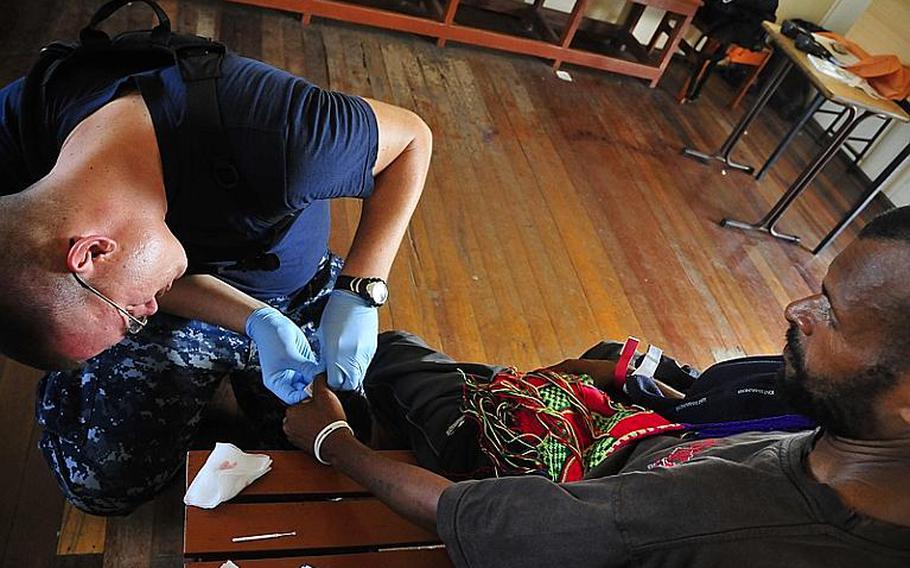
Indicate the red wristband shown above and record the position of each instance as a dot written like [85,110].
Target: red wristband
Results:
[621,370]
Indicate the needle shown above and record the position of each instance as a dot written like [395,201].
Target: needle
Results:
[262,536]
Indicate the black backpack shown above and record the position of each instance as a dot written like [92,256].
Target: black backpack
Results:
[733,396]
[737,21]
[199,62]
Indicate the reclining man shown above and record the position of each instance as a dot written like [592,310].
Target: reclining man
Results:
[95,246]
[836,496]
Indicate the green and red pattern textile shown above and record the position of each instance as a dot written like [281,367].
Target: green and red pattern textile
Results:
[552,424]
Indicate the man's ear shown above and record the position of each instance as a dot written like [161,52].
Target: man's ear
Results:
[85,251]
[905,413]
[903,399]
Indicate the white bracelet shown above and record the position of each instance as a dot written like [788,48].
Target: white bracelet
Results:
[325,433]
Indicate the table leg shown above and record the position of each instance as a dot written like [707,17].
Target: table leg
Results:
[766,224]
[723,153]
[578,13]
[814,105]
[874,188]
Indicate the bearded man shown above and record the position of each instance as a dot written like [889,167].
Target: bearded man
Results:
[832,496]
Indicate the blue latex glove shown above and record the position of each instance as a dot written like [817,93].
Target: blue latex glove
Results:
[287,360]
[347,337]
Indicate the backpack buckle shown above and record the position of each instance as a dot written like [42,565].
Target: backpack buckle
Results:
[225,174]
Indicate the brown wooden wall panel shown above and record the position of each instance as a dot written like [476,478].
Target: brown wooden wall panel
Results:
[294,473]
[319,525]
[436,558]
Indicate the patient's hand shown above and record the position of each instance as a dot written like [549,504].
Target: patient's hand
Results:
[600,370]
[303,421]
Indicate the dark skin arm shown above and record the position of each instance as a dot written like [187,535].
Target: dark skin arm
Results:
[601,370]
[410,491]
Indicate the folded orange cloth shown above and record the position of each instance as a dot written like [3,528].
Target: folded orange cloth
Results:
[885,73]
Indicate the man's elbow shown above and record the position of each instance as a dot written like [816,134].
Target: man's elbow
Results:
[422,135]
[419,149]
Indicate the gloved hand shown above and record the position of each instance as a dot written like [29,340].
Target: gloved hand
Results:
[287,360]
[347,336]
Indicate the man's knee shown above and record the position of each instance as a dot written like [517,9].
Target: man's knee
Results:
[107,483]
[396,349]
[397,338]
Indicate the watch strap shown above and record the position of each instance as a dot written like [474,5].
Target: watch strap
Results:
[358,286]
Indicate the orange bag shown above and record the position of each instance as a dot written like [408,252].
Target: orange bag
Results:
[885,73]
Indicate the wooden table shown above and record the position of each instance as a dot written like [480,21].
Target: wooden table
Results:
[555,47]
[859,107]
[338,524]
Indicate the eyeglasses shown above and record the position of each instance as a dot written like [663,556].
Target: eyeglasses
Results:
[133,324]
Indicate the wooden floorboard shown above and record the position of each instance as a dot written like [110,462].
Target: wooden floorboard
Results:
[555,215]
[31,505]
[81,534]
[129,539]
[83,561]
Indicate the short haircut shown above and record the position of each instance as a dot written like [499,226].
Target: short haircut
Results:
[37,296]
[893,225]
[26,340]
[35,303]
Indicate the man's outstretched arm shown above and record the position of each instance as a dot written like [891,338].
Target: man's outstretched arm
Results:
[349,324]
[287,360]
[402,162]
[206,298]
[411,491]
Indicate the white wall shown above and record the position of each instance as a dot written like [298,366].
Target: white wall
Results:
[811,10]
[884,28]
[843,14]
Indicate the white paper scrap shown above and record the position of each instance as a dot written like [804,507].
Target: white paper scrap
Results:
[838,51]
[226,472]
[564,75]
[229,564]
[844,76]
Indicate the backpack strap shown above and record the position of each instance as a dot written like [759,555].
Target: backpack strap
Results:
[199,61]
[200,68]
[37,160]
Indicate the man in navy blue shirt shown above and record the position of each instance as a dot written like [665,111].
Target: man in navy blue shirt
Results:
[99,244]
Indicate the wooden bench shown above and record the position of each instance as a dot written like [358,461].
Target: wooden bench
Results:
[338,524]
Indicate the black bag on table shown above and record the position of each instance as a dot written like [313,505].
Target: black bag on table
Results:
[737,21]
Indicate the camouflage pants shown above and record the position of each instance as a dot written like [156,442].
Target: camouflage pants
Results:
[117,429]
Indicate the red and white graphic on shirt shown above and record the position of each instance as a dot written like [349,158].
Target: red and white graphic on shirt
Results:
[682,454]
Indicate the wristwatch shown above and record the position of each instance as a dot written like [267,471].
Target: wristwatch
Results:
[374,290]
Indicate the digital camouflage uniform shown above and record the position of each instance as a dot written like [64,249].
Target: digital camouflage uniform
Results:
[117,429]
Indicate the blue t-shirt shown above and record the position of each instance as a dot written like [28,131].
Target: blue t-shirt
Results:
[294,145]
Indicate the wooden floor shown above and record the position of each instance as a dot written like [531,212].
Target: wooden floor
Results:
[556,214]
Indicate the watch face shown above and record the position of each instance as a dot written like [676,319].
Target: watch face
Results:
[378,292]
